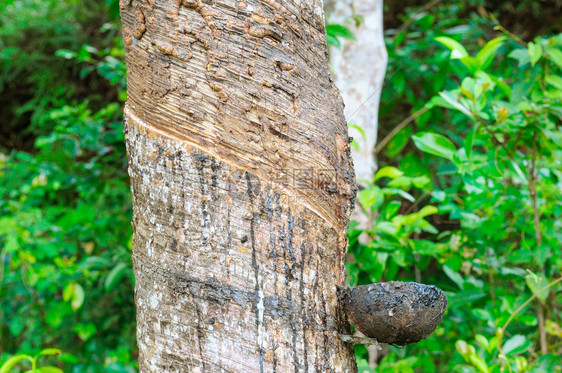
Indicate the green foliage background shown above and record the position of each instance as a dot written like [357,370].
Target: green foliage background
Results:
[455,205]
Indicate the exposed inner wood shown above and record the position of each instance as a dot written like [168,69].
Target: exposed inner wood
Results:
[247,81]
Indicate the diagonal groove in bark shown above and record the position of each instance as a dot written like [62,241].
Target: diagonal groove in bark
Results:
[149,130]
[273,94]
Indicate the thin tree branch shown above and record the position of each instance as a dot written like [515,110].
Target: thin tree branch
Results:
[538,239]
[360,340]
[521,307]
[398,128]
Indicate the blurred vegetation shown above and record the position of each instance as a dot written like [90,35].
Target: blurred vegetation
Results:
[65,208]
[468,193]
[469,198]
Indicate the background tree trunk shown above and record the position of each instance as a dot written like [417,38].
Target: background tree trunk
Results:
[359,68]
[242,186]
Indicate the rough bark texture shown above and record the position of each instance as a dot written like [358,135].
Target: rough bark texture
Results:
[359,68]
[242,183]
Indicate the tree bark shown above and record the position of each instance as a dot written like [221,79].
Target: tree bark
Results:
[242,185]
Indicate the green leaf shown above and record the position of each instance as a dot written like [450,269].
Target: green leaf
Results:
[470,221]
[399,257]
[434,144]
[65,53]
[482,341]
[379,265]
[385,227]
[95,262]
[512,271]
[454,276]
[11,362]
[123,94]
[438,195]
[401,193]
[505,88]
[66,357]
[519,172]
[465,297]
[114,275]
[472,63]
[370,197]
[535,52]
[339,31]
[426,247]
[68,292]
[553,94]
[332,40]
[469,141]
[50,351]
[426,227]
[85,53]
[391,209]
[359,19]
[421,181]
[521,55]
[359,129]
[554,80]
[464,349]
[81,215]
[427,210]
[388,171]
[457,50]
[555,55]
[515,344]
[78,298]
[85,331]
[452,100]
[11,245]
[538,284]
[49,369]
[56,312]
[363,366]
[401,182]
[488,52]
[75,294]
[479,363]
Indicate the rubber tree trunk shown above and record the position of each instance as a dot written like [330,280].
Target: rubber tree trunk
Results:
[242,185]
